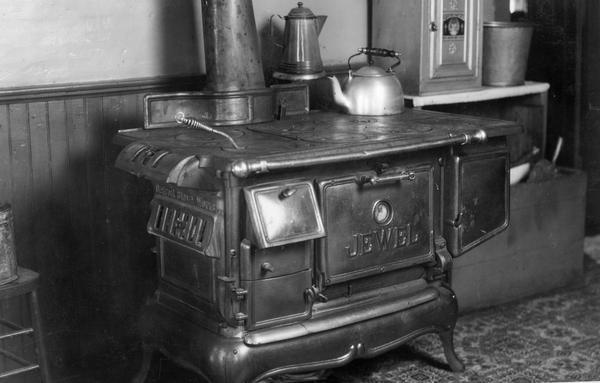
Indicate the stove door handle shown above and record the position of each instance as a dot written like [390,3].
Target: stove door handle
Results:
[402,176]
[287,193]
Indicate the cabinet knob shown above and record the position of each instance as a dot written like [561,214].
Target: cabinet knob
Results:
[433,26]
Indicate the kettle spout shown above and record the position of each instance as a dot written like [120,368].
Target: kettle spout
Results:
[338,95]
[319,22]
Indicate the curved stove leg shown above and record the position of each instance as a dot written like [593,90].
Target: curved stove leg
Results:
[447,338]
[142,373]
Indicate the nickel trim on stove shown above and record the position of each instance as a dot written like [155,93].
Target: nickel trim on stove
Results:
[186,226]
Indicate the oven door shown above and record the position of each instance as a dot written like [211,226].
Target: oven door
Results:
[375,222]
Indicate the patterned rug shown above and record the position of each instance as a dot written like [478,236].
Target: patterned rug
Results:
[550,338]
[591,246]
[546,339]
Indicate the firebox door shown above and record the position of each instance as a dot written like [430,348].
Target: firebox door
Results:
[284,212]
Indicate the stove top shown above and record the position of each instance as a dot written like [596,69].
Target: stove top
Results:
[318,130]
[310,139]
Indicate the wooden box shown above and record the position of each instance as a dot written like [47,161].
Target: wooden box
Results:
[541,250]
[440,42]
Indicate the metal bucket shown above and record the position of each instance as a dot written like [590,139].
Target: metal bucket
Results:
[8,259]
[505,52]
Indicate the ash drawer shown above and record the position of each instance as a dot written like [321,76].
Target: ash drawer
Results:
[279,300]
[273,262]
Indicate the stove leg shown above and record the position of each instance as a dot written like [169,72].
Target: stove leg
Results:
[447,338]
[142,373]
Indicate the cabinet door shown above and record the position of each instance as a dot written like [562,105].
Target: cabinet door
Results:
[455,28]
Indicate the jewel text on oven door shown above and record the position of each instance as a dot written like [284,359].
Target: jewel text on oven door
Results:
[387,238]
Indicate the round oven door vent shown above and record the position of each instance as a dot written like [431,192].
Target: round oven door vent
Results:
[382,212]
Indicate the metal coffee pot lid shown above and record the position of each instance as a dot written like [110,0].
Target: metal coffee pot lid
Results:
[300,12]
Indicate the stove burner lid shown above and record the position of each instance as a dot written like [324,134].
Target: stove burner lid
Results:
[350,130]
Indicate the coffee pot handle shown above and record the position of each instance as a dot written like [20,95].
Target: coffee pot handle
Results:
[271,35]
[377,52]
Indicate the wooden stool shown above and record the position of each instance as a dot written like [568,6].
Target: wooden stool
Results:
[26,284]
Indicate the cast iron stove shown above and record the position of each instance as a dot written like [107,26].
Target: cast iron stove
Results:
[321,239]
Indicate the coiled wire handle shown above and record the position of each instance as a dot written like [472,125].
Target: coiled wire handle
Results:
[180,118]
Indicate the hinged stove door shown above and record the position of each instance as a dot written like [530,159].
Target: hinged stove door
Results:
[284,212]
[376,223]
[476,200]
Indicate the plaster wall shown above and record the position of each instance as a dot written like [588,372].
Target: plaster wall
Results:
[66,41]
[48,42]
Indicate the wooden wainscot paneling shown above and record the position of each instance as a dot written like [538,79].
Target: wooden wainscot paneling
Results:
[78,221]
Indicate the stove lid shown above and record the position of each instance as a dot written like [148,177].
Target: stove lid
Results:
[306,140]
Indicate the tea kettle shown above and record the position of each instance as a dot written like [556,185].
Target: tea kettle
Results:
[371,90]
[301,58]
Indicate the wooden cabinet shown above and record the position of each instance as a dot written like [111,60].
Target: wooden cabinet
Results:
[440,42]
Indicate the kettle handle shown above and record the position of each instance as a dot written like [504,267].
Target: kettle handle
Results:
[271,31]
[377,52]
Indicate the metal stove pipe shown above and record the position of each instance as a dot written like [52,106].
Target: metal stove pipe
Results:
[233,60]
[235,92]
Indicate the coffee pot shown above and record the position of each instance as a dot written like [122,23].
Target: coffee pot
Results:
[371,90]
[301,58]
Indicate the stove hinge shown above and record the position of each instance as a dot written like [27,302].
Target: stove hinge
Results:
[443,260]
[237,295]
